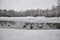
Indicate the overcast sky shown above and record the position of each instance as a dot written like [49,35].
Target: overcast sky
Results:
[26,4]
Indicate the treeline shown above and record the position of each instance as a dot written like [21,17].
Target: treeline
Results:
[54,12]
[38,12]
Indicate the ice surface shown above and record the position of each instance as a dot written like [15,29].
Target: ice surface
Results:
[18,34]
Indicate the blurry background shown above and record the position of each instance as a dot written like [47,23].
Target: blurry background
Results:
[18,5]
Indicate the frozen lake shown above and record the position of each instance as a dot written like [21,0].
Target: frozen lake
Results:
[32,19]
[18,34]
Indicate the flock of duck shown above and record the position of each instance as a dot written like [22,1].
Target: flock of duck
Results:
[30,25]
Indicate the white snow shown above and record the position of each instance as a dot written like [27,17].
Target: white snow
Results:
[32,19]
[18,34]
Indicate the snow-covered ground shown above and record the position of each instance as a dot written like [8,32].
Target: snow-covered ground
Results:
[32,19]
[18,34]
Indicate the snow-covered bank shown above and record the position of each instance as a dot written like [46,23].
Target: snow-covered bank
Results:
[17,34]
[32,19]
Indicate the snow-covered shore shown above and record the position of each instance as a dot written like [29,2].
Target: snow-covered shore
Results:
[32,19]
[18,34]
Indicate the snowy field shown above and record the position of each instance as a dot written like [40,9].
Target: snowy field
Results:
[32,19]
[18,34]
